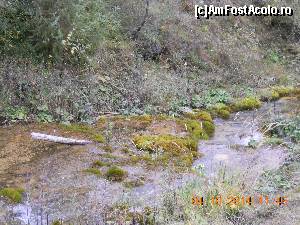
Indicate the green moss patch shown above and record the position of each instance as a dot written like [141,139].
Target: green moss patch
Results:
[168,143]
[90,132]
[220,110]
[248,103]
[14,195]
[199,115]
[98,138]
[132,122]
[209,128]
[115,173]
[283,91]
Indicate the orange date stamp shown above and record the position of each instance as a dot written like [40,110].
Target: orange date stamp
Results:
[233,200]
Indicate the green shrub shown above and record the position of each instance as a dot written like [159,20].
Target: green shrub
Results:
[44,115]
[55,31]
[14,195]
[288,128]
[210,98]
[15,113]
[115,173]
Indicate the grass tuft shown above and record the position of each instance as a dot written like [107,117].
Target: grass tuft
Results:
[115,173]
[94,171]
[14,195]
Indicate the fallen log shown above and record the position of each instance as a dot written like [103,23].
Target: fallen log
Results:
[57,139]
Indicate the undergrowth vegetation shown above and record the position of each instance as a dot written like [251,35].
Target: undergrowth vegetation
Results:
[59,58]
[14,195]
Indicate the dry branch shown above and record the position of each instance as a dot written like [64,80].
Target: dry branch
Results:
[57,139]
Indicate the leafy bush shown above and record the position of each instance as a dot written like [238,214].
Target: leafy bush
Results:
[44,115]
[288,128]
[15,113]
[55,31]
[210,98]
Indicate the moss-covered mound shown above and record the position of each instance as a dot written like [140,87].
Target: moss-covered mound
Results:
[195,129]
[14,195]
[167,143]
[247,103]
[209,128]
[199,115]
[220,110]
[115,173]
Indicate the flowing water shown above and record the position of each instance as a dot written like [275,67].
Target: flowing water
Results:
[56,187]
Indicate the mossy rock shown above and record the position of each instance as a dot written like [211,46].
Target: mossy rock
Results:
[168,143]
[220,110]
[93,171]
[199,115]
[209,128]
[14,195]
[224,114]
[247,103]
[195,129]
[115,173]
